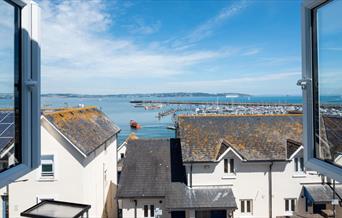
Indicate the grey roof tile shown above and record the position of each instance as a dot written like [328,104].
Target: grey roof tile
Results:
[255,137]
[182,197]
[87,128]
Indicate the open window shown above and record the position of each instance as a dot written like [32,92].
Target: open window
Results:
[19,89]
[322,86]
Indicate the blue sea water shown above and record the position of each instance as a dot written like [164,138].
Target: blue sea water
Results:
[121,111]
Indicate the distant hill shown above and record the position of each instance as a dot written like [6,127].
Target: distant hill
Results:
[171,94]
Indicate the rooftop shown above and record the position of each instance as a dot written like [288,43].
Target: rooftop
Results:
[254,137]
[87,128]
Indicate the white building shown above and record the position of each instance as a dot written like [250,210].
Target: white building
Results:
[235,166]
[78,163]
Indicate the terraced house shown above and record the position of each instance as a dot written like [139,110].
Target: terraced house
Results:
[230,166]
[78,164]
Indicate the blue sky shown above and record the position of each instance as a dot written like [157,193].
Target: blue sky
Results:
[109,47]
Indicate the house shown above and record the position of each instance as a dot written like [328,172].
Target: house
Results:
[153,183]
[78,163]
[253,163]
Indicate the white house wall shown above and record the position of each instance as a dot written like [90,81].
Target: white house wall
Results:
[128,205]
[251,182]
[73,182]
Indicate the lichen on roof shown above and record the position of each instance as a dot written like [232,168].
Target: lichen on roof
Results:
[255,137]
[87,128]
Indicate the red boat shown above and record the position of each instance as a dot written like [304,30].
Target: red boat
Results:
[134,124]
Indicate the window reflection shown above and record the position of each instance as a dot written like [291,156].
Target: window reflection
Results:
[328,81]
[9,77]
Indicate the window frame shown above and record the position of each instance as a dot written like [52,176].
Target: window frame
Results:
[310,160]
[289,201]
[243,203]
[47,159]
[228,167]
[29,61]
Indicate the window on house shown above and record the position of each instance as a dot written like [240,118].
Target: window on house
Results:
[246,206]
[290,205]
[145,210]
[229,166]
[322,86]
[152,210]
[122,155]
[299,164]
[47,168]
[19,89]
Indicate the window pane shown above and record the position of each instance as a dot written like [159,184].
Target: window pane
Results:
[302,164]
[152,210]
[286,205]
[248,206]
[296,164]
[145,210]
[47,168]
[293,204]
[328,83]
[10,151]
[231,165]
[226,165]
[242,206]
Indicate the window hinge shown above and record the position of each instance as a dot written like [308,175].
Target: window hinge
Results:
[303,83]
[31,84]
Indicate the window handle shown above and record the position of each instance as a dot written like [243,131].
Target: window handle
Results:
[303,83]
[31,84]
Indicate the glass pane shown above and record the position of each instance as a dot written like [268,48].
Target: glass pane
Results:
[248,206]
[328,83]
[46,168]
[286,205]
[242,206]
[9,94]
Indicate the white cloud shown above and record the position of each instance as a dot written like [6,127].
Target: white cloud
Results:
[139,26]
[251,52]
[207,28]
[77,43]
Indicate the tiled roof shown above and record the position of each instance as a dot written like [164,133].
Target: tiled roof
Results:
[182,197]
[292,147]
[146,171]
[149,168]
[255,137]
[87,128]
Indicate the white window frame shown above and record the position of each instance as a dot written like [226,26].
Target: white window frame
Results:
[299,164]
[47,159]
[290,205]
[229,172]
[311,162]
[245,206]
[30,92]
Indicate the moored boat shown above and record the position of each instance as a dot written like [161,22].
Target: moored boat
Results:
[134,124]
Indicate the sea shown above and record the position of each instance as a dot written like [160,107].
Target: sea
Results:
[121,111]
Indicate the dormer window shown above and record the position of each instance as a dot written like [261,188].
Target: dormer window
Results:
[299,164]
[229,166]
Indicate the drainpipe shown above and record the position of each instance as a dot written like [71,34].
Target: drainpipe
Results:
[135,208]
[270,190]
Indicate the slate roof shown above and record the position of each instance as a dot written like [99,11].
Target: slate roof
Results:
[182,197]
[147,169]
[321,193]
[87,128]
[255,137]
